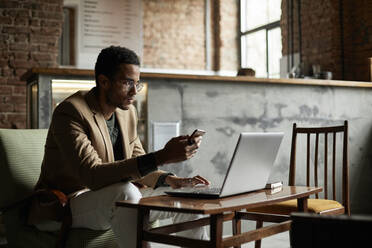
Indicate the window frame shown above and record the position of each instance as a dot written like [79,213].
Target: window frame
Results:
[267,27]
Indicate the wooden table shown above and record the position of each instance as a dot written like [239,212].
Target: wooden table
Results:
[220,210]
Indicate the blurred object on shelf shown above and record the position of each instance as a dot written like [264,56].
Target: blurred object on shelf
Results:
[326,75]
[370,69]
[306,71]
[246,72]
[316,71]
[295,72]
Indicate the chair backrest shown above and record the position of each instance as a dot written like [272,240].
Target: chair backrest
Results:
[314,230]
[329,133]
[21,154]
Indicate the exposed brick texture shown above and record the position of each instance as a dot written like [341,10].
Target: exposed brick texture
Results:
[29,33]
[229,35]
[174,38]
[357,39]
[173,34]
[321,36]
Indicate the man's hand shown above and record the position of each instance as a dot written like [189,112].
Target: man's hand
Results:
[194,140]
[177,149]
[178,182]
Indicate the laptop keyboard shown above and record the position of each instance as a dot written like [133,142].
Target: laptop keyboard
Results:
[200,190]
[208,190]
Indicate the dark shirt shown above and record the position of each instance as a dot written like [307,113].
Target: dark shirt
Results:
[115,136]
[146,163]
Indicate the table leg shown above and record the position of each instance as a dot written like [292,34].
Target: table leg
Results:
[257,243]
[302,204]
[237,226]
[216,230]
[142,224]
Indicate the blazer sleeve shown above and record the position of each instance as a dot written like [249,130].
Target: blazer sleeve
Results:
[138,148]
[71,135]
[152,178]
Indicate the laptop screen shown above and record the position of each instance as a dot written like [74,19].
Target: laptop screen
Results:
[251,163]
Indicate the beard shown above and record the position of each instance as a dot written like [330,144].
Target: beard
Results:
[112,101]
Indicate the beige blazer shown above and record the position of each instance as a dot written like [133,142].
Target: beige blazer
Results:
[78,149]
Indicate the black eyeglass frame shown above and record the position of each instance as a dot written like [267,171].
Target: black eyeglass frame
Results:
[130,83]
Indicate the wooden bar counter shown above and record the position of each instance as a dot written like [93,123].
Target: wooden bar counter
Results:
[90,73]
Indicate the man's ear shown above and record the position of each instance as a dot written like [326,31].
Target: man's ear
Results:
[103,82]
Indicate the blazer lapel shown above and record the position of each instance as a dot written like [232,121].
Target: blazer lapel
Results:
[121,118]
[101,123]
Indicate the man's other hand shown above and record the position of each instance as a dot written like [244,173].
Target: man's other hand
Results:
[178,182]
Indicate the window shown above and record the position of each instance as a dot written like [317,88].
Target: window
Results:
[261,40]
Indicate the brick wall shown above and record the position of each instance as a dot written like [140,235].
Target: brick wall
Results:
[29,33]
[357,39]
[174,38]
[229,35]
[174,34]
[321,36]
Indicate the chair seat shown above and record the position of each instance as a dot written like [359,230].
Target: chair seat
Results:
[318,206]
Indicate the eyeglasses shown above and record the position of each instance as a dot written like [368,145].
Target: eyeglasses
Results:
[130,83]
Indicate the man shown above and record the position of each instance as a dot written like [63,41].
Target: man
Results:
[93,153]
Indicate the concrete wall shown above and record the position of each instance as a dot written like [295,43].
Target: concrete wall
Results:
[224,109]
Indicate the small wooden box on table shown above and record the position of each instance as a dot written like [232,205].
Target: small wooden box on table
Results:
[219,210]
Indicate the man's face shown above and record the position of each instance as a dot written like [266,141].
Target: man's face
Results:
[119,94]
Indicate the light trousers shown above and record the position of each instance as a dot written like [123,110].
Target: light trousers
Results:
[96,210]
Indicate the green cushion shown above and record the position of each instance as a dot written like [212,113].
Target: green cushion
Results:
[18,234]
[86,238]
[21,235]
[21,154]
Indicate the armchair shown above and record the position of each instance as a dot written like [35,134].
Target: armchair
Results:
[21,154]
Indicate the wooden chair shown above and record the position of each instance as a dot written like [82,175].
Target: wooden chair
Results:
[324,206]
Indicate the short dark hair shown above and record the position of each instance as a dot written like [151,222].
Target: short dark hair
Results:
[110,58]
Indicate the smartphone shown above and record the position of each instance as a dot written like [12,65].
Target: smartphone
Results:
[197,132]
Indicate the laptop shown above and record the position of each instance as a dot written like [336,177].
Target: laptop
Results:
[249,168]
